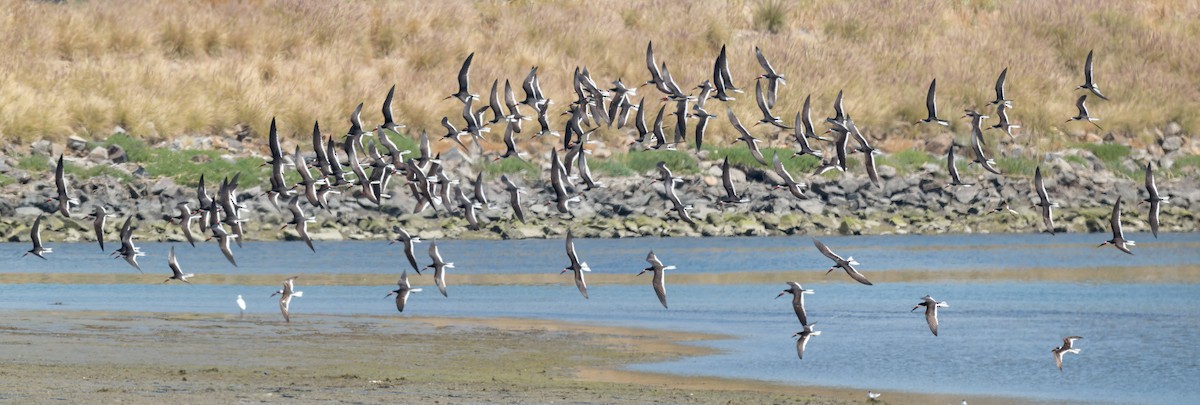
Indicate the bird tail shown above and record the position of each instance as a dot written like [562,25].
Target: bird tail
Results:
[669,268]
[415,290]
[298,294]
[449,265]
[584,266]
[851,261]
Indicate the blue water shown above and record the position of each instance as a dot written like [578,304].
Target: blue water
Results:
[707,255]
[995,337]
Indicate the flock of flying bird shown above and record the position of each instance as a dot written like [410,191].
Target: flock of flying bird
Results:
[431,187]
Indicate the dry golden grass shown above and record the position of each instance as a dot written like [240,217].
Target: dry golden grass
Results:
[165,68]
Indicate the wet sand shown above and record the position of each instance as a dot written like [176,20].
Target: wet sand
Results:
[126,357]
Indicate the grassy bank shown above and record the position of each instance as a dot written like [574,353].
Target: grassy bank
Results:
[174,67]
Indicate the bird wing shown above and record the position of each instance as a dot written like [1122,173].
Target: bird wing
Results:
[931,317]
[1087,69]
[356,119]
[798,304]
[35,234]
[571,250]
[655,76]
[273,142]
[762,61]
[801,344]
[869,161]
[1058,358]
[283,307]
[223,241]
[653,260]
[828,253]
[1047,219]
[1115,221]
[761,100]
[173,263]
[1000,86]
[781,171]
[387,106]
[464,74]
[660,287]
[737,125]
[60,181]
[1083,112]
[950,167]
[1154,207]
[1040,186]
[854,274]
[1151,188]
[727,180]
[837,106]
[931,100]
[580,283]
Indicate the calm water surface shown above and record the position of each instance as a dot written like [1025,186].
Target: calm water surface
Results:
[995,337]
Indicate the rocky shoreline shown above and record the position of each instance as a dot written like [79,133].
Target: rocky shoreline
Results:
[911,200]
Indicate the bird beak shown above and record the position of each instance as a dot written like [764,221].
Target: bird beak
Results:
[780,294]
[830,270]
[915,308]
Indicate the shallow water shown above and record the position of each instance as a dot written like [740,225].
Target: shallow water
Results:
[697,255]
[995,336]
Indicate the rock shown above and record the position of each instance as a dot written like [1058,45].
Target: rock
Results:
[116,154]
[1174,128]
[1172,143]
[812,206]
[97,155]
[76,143]
[42,147]
[322,234]
[28,211]
[886,172]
